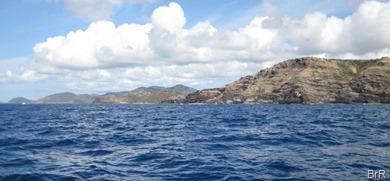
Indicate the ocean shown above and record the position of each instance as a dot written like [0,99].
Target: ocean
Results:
[193,142]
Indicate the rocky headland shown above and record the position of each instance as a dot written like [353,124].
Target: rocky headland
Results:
[306,80]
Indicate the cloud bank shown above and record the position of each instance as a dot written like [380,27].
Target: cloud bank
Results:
[162,52]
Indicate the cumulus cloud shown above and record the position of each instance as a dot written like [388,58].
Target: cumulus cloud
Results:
[162,42]
[170,18]
[101,45]
[106,56]
[365,31]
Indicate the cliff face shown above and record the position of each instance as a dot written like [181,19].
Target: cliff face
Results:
[307,80]
[148,95]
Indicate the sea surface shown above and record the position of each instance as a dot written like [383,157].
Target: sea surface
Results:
[193,142]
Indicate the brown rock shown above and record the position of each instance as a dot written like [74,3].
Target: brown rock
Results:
[307,80]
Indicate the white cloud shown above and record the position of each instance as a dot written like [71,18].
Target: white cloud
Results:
[316,33]
[163,42]
[364,32]
[107,57]
[32,75]
[371,25]
[170,18]
[6,77]
[101,45]
[27,75]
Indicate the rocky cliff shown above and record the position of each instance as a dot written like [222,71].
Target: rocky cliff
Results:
[306,80]
[148,95]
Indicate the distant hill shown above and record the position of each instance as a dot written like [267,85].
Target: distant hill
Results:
[19,100]
[116,93]
[306,80]
[147,95]
[141,95]
[67,98]
[181,88]
[141,90]
[136,91]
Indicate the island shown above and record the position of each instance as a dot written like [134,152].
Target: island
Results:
[305,80]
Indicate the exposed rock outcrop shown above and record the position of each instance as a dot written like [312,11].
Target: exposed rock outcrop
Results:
[306,80]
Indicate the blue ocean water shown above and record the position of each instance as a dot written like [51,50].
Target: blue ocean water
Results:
[193,142]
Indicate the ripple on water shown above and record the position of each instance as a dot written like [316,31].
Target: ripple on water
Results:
[193,142]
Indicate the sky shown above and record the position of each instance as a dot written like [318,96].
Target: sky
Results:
[99,46]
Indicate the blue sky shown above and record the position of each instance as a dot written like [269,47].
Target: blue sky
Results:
[27,22]
[198,43]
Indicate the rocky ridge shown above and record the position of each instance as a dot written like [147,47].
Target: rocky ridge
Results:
[306,80]
[148,95]
[67,98]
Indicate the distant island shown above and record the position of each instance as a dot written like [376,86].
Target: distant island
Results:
[141,95]
[59,98]
[147,95]
[306,80]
